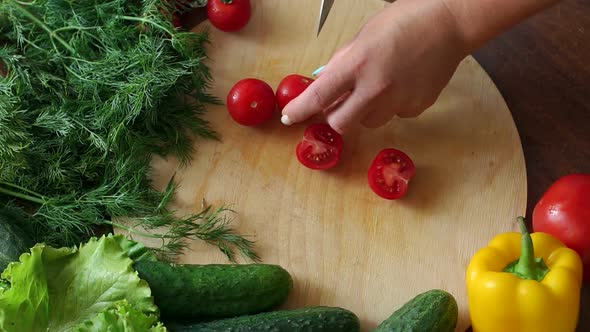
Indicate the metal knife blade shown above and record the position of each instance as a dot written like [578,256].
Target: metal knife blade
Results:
[199,3]
[324,11]
[196,3]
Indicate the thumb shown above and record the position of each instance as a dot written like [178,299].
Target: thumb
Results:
[319,95]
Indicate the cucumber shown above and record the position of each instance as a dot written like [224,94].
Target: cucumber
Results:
[214,290]
[14,241]
[310,319]
[432,311]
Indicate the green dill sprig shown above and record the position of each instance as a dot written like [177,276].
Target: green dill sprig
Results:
[90,92]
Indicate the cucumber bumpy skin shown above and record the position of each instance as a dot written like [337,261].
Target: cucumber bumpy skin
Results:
[432,311]
[216,290]
[14,241]
[310,319]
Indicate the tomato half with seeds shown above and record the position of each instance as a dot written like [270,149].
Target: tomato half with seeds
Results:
[390,173]
[290,87]
[251,102]
[229,15]
[321,147]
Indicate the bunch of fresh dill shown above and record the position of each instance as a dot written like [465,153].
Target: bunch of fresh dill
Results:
[90,91]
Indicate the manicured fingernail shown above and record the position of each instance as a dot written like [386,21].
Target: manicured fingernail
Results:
[317,71]
[286,121]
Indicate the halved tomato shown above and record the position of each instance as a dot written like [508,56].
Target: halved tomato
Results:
[390,173]
[320,148]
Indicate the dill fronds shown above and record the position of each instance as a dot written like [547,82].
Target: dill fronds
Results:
[90,91]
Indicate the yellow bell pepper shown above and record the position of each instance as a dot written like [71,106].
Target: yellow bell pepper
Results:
[511,290]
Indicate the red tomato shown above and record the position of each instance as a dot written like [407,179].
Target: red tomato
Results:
[390,173]
[564,212]
[251,102]
[320,148]
[290,87]
[229,15]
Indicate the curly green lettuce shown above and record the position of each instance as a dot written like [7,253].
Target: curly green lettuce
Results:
[76,289]
[122,318]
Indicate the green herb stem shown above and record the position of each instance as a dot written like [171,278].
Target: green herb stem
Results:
[145,20]
[22,196]
[51,33]
[81,152]
[15,186]
[73,28]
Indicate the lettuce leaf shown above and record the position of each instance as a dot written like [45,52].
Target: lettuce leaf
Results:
[60,289]
[122,318]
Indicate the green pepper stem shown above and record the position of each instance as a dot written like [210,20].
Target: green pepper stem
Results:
[526,263]
[527,266]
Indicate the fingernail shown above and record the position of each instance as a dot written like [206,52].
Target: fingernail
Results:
[317,71]
[286,121]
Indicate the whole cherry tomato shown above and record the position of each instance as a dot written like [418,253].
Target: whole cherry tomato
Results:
[251,102]
[320,148]
[290,87]
[229,15]
[564,212]
[390,173]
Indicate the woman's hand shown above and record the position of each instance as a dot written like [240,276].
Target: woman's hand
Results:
[397,65]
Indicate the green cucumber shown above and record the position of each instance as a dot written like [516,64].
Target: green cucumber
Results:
[311,319]
[14,241]
[432,311]
[215,290]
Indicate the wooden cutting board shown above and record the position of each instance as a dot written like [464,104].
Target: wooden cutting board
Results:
[344,245]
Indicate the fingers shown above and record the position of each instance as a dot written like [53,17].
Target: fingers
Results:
[410,113]
[376,118]
[322,93]
[332,85]
[337,103]
[415,109]
[352,110]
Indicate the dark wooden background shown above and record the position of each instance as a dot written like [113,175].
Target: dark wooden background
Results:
[542,68]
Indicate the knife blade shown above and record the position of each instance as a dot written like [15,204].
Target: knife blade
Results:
[187,5]
[199,3]
[324,11]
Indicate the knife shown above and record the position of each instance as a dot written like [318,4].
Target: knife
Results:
[325,8]
[197,3]
[324,11]
[194,12]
